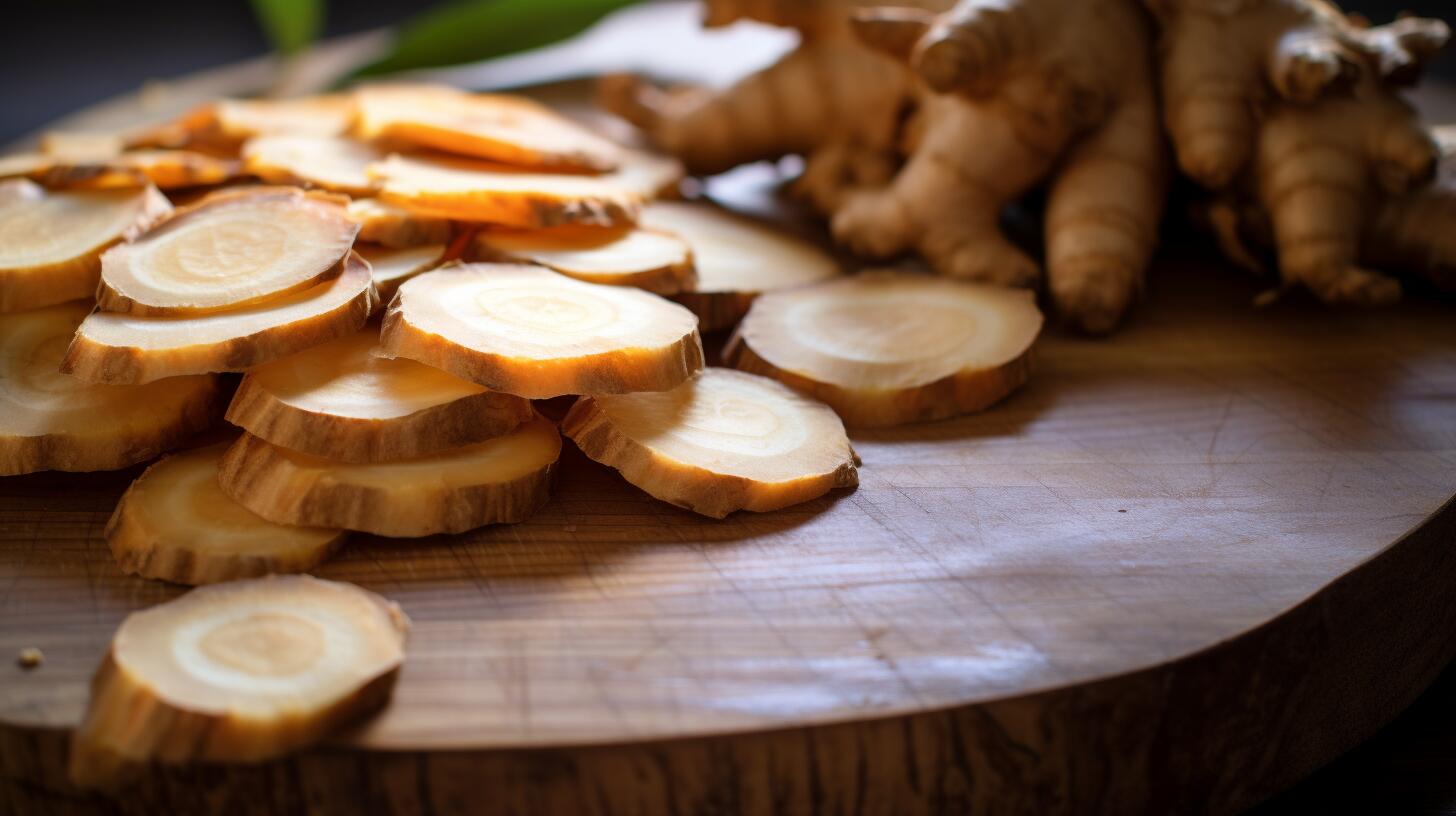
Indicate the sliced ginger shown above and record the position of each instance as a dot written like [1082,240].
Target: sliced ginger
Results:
[528,331]
[243,671]
[331,162]
[49,421]
[723,441]
[393,226]
[392,267]
[167,169]
[233,248]
[499,481]
[51,242]
[175,524]
[736,259]
[327,115]
[506,129]
[887,348]
[343,402]
[123,348]
[470,190]
[614,256]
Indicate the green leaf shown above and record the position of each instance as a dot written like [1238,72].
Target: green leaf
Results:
[289,24]
[480,29]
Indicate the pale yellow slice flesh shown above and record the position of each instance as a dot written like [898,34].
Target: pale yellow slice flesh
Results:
[51,242]
[85,146]
[231,249]
[327,115]
[612,256]
[506,129]
[242,671]
[392,267]
[49,421]
[528,331]
[166,169]
[723,441]
[331,162]
[121,348]
[736,259]
[343,402]
[470,190]
[175,524]
[397,227]
[886,348]
[499,481]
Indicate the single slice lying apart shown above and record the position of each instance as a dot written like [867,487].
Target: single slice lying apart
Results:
[330,162]
[49,421]
[470,190]
[175,524]
[51,242]
[506,129]
[343,402]
[736,259]
[528,331]
[122,348]
[238,672]
[393,226]
[613,256]
[231,249]
[886,348]
[499,481]
[722,441]
[392,267]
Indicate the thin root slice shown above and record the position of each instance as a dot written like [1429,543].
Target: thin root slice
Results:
[392,267]
[396,227]
[331,162]
[528,331]
[887,348]
[499,481]
[120,348]
[613,256]
[723,441]
[243,671]
[327,115]
[505,129]
[175,524]
[343,402]
[470,190]
[166,169]
[51,242]
[736,259]
[49,421]
[83,146]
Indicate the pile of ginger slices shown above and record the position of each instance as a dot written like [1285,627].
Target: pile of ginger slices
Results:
[398,273]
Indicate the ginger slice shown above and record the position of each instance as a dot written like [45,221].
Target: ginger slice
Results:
[331,162]
[51,242]
[167,169]
[528,331]
[175,524]
[327,115]
[234,248]
[343,402]
[720,442]
[499,481]
[471,190]
[76,145]
[736,259]
[49,421]
[122,348]
[392,267]
[613,256]
[243,671]
[886,348]
[397,227]
[506,129]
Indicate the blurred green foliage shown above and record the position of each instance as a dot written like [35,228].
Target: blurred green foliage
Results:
[291,25]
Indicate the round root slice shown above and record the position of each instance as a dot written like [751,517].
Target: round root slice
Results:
[887,348]
[167,169]
[51,242]
[506,129]
[327,115]
[723,441]
[85,146]
[392,267]
[614,256]
[736,259]
[476,191]
[231,249]
[238,672]
[119,348]
[528,331]
[330,162]
[343,402]
[175,524]
[396,227]
[49,421]
[499,481]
